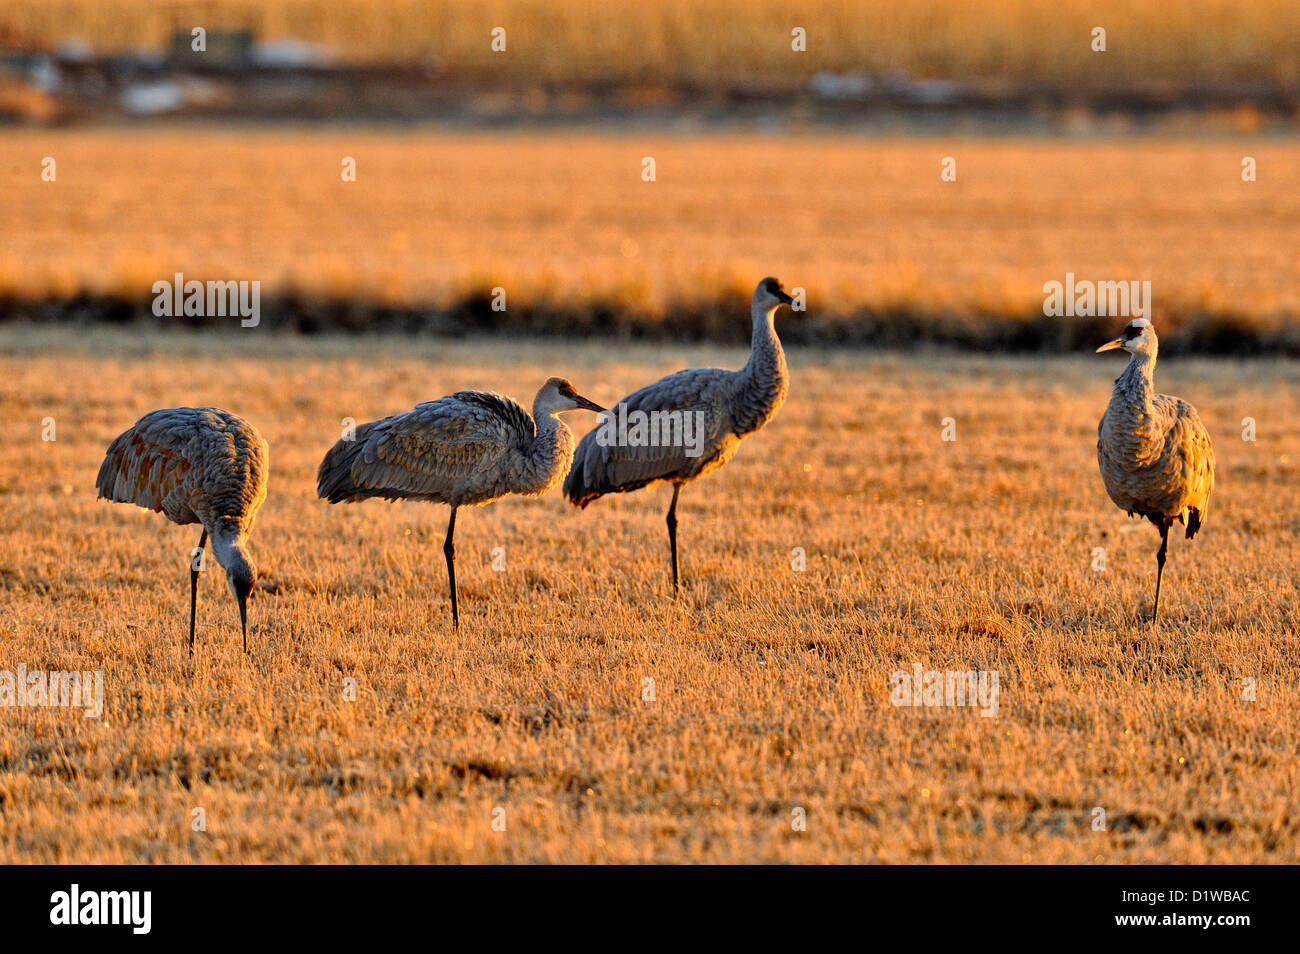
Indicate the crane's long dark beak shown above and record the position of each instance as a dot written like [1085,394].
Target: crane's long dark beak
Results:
[589,405]
[241,596]
[1111,345]
[785,299]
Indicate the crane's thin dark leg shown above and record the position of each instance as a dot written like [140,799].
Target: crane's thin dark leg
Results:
[672,530]
[1160,564]
[196,565]
[449,549]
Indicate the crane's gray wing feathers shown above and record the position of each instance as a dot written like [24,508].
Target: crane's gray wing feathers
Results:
[192,464]
[602,466]
[1189,458]
[1159,464]
[146,464]
[437,450]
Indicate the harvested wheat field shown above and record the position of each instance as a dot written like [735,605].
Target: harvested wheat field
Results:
[567,217]
[771,685]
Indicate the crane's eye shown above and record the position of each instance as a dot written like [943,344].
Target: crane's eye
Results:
[1131,332]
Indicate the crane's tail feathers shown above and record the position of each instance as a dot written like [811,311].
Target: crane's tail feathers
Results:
[581,490]
[574,490]
[106,480]
[576,482]
[581,502]
[581,496]
[334,478]
[590,475]
[1193,522]
[117,479]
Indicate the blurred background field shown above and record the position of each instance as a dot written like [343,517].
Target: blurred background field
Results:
[522,169]
[726,41]
[888,253]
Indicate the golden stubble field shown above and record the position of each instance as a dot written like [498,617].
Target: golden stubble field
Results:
[772,686]
[566,216]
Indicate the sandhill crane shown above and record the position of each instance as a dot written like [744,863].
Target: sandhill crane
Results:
[470,448]
[1155,454]
[727,405]
[196,465]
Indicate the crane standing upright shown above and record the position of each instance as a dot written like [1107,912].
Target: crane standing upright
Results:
[729,405]
[1155,455]
[470,448]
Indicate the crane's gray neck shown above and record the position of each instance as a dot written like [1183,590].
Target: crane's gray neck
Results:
[765,379]
[229,547]
[1136,383]
[549,454]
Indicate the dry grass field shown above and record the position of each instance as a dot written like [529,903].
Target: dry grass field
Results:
[772,686]
[566,216]
[708,41]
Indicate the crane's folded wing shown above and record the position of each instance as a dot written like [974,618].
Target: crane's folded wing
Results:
[433,447]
